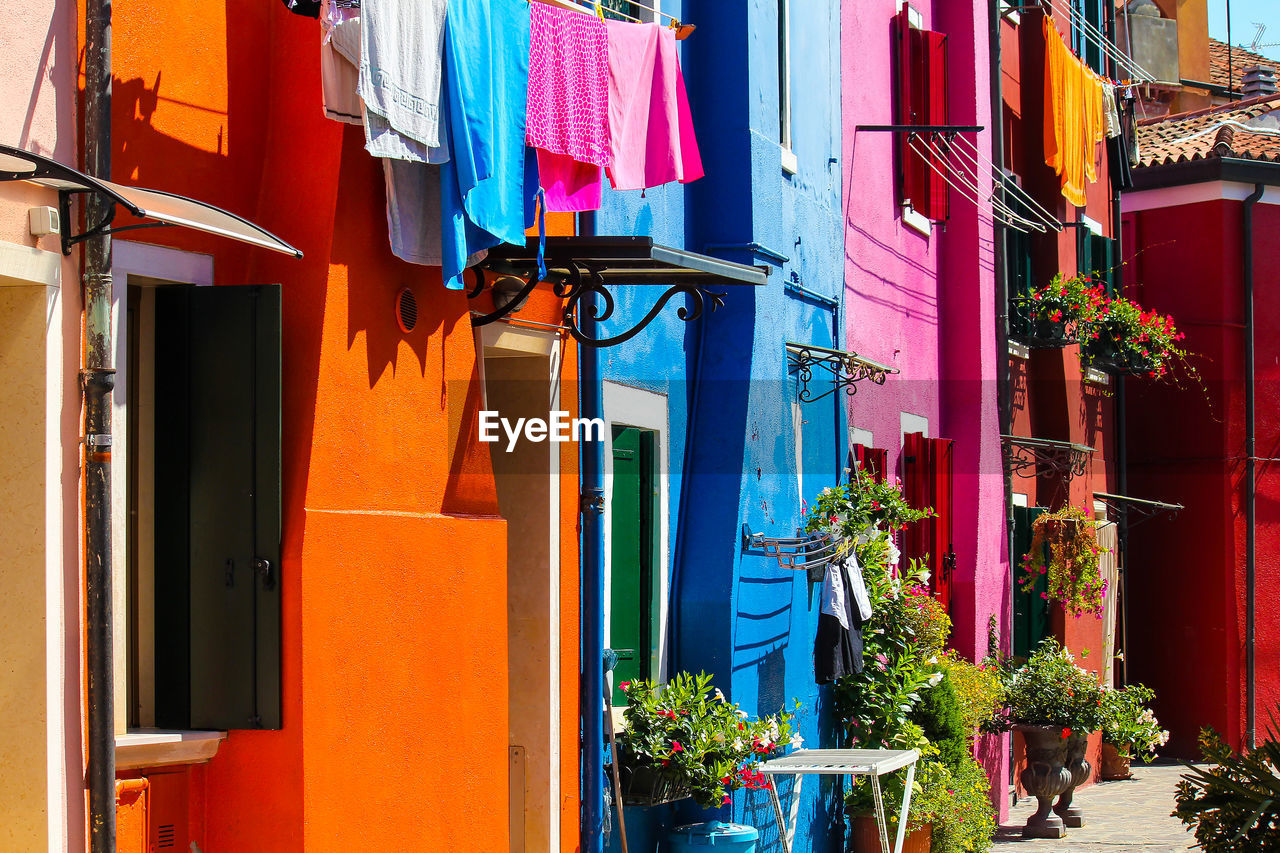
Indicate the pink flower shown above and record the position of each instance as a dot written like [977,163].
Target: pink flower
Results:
[676,747]
[624,685]
[725,801]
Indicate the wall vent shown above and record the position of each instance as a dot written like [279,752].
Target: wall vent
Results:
[406,310]
[166,836]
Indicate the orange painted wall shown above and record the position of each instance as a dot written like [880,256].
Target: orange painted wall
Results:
[393,574]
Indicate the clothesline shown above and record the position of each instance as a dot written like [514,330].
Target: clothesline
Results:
[955,179]
[585,7]
[1034,207]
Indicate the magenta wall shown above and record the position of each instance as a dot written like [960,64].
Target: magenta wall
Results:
[926,304]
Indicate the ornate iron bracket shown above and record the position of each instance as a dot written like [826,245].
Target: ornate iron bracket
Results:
[1042,457]
[574,281]
[845,368]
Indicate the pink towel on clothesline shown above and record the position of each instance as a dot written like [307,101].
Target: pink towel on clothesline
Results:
[649,120]
[569,84]
[569,105]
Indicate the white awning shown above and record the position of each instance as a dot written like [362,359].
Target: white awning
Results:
[160,207]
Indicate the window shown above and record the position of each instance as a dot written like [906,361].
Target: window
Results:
[784,87]
[1085,40]
[201,545]
[636,533]
[927,482]
[921,94]
[628,10]
[1096,256]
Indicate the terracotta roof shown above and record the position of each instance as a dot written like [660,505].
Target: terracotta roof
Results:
[1241,60]
[1165,139]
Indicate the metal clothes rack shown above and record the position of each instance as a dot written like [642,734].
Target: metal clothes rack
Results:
[872,763]
[811,553]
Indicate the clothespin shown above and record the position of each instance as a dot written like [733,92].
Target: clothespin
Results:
[599,11]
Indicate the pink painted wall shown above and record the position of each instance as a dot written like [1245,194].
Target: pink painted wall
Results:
[925,304]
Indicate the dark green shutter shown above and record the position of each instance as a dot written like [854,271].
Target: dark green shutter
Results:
[218,507]
[631,564]
[1030,610]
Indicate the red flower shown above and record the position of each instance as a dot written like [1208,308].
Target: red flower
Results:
[1066,732]
[676,747]
[624,685]
[725,801]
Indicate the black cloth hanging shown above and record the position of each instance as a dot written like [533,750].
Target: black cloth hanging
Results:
[837,651]
[309,8]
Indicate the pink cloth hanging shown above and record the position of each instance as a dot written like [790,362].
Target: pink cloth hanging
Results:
[569,105]
[649,119]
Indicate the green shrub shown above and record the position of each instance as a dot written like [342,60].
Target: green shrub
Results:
[1051,689]
[1234,804]
[940,716]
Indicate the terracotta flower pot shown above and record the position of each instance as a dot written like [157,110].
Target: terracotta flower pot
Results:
[1114,765]
[1045,777]
[1077,747]
[864,837]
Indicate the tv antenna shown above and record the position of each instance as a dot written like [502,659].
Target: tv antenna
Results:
[1257,43]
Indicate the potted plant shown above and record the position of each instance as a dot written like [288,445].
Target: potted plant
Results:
[684,739]
[1062,312]
[1129,729]
[1126,338]
[1064,546]
[1054,704]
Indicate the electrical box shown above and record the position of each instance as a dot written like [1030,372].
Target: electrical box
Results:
[44,220]
[170,822]
[132,815]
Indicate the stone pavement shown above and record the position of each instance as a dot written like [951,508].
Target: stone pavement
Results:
[1132,815]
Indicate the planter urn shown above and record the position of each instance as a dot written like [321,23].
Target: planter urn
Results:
[1077,748]
[1114,765]
[1045,777]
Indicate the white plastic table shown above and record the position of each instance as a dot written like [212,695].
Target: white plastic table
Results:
[841,762]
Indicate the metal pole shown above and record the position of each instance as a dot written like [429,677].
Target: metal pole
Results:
[98,378]
[591,405]
[1250,477]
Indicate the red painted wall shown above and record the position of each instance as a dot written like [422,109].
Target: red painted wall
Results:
[394,559]
[1188,446]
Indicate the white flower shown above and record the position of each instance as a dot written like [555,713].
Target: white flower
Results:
[826,491]
[934,679]
[743,714]
[797,741]
[720,695]
[738,744]
[719,737]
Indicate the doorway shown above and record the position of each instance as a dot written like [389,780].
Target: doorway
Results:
[521,373]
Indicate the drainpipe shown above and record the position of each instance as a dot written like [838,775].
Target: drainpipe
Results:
[1003,380]
[98,378]
[1251,484]
[591,405]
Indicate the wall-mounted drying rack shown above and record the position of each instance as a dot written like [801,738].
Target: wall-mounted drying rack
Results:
[811,553]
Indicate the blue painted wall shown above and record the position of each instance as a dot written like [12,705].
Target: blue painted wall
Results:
[740,616]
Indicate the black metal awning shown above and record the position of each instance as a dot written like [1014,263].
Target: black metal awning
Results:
[161,207]
[578,266]
[1124,506]
[1044,457]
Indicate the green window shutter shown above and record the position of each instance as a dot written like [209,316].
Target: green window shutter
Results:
[631,564]
[1030,611]
[218,507]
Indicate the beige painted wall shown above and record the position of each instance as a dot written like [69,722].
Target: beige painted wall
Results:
[24,812]
[41,762]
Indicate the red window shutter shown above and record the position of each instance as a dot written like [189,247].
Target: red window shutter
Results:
[927,482]
[922,100]
[934,73]
[871,460]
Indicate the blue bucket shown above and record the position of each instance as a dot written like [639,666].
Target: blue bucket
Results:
[724,837]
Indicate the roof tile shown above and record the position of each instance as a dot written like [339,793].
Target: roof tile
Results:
[1206,133]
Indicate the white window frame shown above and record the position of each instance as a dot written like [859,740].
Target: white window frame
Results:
[625,405]
[163,266]
[790,164]
[912,218]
